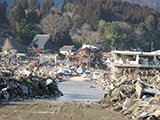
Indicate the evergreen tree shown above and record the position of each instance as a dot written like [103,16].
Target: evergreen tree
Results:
[142,26]
[25,32]
[78,22]
[69,21]
[37,6]
[46,6]
[18,14]
[69,7]
[61,10]
[63,38]
[5,4]
[3,17]
[151,22]
[34,4]
[32,17]
[24,3]
[101,25]
[14,3]
[158,25]
[78,42]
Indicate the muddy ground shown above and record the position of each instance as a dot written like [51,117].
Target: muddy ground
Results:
[56,110]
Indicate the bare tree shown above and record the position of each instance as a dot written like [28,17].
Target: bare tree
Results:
[91,36]
[68,13]
[53,23]
[87,34]
[86,27]
[56,26]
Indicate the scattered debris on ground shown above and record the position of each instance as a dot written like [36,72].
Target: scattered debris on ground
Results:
[136,98]
[24,78]
[134,93]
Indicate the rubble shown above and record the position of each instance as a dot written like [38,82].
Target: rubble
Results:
[131,96]
[134,92]
[131,91]
[131,87]
[128,90]
[13,88]
[24,78]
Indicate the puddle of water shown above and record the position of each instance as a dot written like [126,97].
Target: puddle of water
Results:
[79,91]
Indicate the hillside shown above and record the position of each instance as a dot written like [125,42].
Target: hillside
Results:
[120,23]
[108,22]
[57,2]
[155,4]
[93,11]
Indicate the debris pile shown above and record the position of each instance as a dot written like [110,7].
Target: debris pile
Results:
[87,56]
[13,88]
[135,93]
[24,78]
[132,92]
[135,96]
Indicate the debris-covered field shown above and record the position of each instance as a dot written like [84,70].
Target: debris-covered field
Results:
[136,94]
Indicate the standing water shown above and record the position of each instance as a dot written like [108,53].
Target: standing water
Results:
[79,91]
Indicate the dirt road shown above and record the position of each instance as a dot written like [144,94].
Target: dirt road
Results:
[78,78]
[56,110]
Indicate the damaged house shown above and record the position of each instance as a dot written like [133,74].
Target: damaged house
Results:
[135,60]
[88,55]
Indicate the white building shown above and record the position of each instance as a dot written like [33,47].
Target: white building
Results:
[135,60]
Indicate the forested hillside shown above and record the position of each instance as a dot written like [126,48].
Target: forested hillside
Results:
[155,4]
[10,2]
[123,23]
[94,10]
[108,22]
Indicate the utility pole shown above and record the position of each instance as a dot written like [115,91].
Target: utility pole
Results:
[115,45]
[152,46]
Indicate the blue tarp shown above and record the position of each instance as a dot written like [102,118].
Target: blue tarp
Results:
[63,61]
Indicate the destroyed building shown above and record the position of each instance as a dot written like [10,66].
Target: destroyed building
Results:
[135,60]
[89,55]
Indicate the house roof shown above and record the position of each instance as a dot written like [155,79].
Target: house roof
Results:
[50,46]
[157,51]
[98,46]
[92,46]
[39,41]
[67,47]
